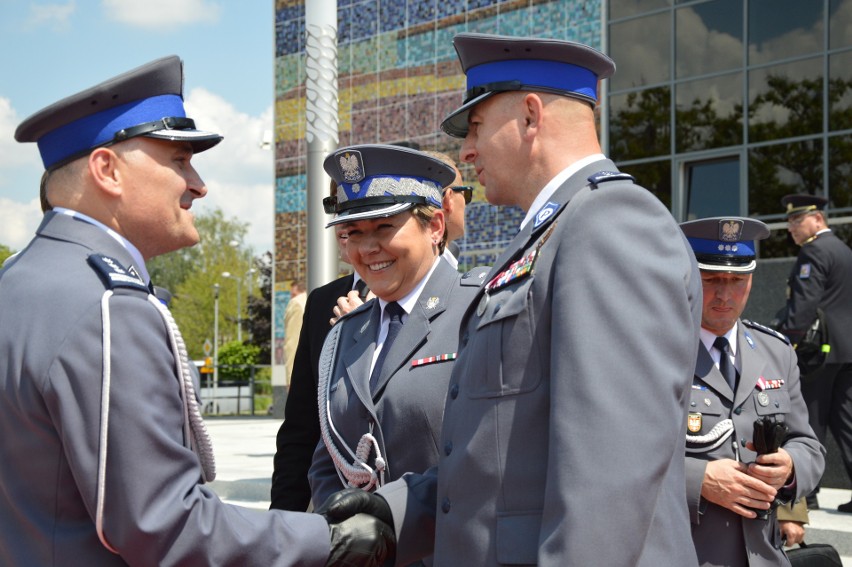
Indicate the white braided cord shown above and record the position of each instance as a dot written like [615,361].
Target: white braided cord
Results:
[358,474]
[195,429]
[720,432]
[106,378]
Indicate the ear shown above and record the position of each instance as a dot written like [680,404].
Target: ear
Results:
[104,170]
[447,202]
[437,225]
[533,109]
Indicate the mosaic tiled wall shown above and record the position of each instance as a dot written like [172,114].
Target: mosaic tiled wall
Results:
[398,77]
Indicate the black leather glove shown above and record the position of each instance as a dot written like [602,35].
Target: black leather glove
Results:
[361,541]
[351,501]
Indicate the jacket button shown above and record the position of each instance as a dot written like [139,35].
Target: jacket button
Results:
[454,391]
[464,339]
[738,411]
[445,505]
[448,448]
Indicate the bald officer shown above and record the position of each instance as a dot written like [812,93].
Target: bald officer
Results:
[562,441]
[105,457]
[744,372]
[820,279]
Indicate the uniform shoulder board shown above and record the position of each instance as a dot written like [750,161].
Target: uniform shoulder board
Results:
[604,176]
[114,274]
[476,276]
[766,330]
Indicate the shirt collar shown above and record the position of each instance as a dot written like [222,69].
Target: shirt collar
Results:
[708,338]
[555,183]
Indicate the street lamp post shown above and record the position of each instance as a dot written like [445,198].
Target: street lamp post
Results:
[215,344]
[239,281]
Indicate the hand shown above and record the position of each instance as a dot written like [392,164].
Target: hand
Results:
[347,303]
[728,484]
[346,503]
[361,541]
[792,532]
[775,469]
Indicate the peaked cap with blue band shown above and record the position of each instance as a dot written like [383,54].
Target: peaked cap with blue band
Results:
[498,63]
[146,101]
[375,180]
[725,244]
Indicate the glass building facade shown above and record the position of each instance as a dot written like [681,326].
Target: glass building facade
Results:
[719,107]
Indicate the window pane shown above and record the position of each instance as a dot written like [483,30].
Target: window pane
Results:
[713,28]
[785,101]
[641,50]
[656,177]
[774,171]
[840,24]
[840,91]
[778,29]
[778,245]
[840,172]
[624,8]
[709,113]
[713,189]
[639,124]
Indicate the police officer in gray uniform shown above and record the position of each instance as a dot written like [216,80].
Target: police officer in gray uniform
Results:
[563,429]
[745,373]
[105,455]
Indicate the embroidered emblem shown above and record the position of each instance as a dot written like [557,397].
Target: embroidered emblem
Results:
[114,274]
[432,302]
[693,422]
[352,166]
[515,271]
[545,213]
[804,271]
[730,230]
[707,402]
[764,384]
[433,359]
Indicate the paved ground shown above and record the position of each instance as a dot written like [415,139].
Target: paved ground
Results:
[244,449]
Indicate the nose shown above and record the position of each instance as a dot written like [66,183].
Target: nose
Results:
[195,184]
[467,152]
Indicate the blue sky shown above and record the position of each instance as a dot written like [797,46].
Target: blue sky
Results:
[52,49]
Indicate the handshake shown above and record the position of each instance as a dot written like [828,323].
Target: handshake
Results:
[361,526]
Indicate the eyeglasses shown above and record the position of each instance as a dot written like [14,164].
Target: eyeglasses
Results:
[466,190]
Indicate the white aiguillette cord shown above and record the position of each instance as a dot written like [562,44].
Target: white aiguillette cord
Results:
[358,474]
[195,431]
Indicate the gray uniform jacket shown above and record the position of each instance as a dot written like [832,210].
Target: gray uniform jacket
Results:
[721,536]
[563,430]
[406,413]
[820,278]
[156,510]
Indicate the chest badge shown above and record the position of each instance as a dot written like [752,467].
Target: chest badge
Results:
[432,302]
[483,303]
[763,399]
[693,422]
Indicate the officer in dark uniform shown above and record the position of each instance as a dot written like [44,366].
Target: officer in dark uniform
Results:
[744,372]
[821,280]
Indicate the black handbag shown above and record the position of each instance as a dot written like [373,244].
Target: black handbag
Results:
[814,555]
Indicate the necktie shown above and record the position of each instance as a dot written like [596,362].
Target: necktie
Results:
[725,367]
[395,311]
[362,289]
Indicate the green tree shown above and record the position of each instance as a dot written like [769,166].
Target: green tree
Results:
[259,321]
[5,252]
[235,360]
[190,275]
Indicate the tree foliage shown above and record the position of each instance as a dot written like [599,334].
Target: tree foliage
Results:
[259,321]
[5,252]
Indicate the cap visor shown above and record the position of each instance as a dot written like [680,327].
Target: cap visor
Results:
[199,139]
[744,269]
[357,214]
[456,123]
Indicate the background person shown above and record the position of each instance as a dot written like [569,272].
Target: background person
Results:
[105,454]
[562,441]
[293,315]
[744,372]
[821,279]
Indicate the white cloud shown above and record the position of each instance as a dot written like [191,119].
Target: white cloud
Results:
[12,154]
[239,174]
[160,14]
[18,221]
[55,16]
